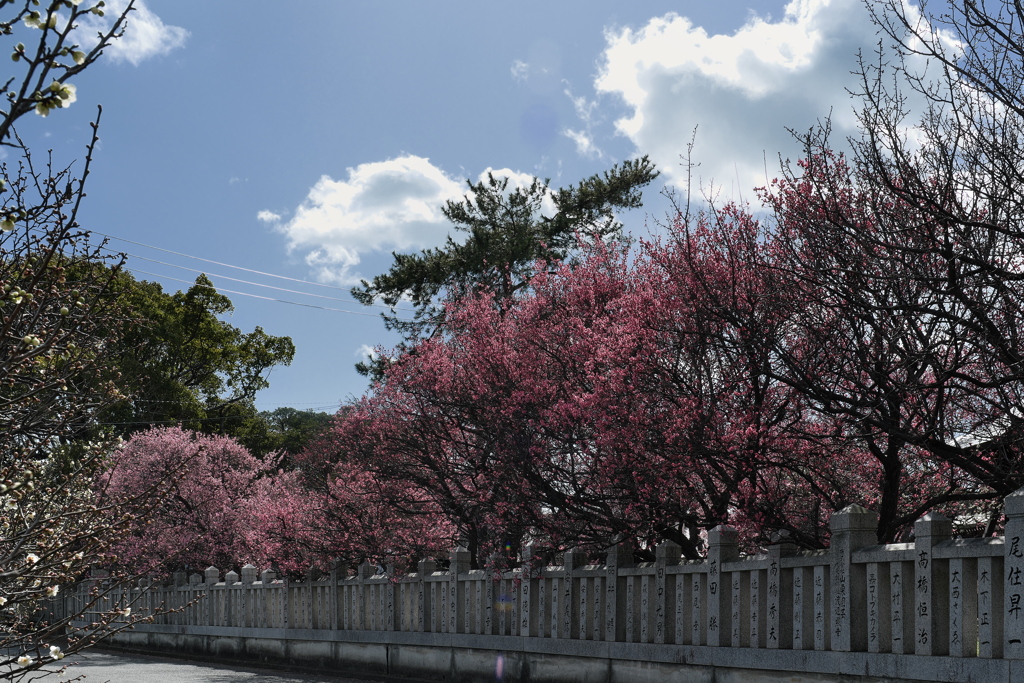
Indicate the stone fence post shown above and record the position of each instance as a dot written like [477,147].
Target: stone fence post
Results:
[339,570]
[424,606]
[230,579]
[570,619]
[666,553]
[529,616]
[780,594]
[931,586]
[722,547]
[853,527]
[1013,570]
[460,561]
[620,556]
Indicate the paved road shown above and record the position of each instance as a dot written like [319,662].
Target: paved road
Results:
[108,667]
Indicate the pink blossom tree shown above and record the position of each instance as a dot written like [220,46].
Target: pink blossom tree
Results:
[205,517]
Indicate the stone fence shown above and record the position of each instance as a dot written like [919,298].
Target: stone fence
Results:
[937,609]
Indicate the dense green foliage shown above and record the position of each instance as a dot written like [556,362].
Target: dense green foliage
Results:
[180,362]
[506,233]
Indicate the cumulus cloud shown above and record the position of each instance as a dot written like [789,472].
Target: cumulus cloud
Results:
[366,353]
[382,206]
[145,34]
[739,91]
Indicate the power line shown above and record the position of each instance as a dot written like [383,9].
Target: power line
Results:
[248,270]
[219,263]
[258,284]
[257,296]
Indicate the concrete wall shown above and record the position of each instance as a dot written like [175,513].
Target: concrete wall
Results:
[471,659]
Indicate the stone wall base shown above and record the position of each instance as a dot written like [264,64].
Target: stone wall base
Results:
[508,659]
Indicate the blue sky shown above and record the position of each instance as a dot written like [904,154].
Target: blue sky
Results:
[310,139]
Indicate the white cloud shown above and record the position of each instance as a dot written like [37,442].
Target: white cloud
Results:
[520,71]
[585,146]
[382,206]
[366,353]
[740,91]
[145,34]
[584,138]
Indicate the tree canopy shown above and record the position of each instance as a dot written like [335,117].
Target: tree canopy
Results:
[504,232]
[180,362]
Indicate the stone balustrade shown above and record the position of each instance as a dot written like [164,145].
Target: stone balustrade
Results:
[938,598]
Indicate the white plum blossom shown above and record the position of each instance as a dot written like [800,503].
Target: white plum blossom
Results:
[25,660]
[55,652]
[31,558]
[60,95]
[51,591]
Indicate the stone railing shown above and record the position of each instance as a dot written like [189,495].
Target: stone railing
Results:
[956,603]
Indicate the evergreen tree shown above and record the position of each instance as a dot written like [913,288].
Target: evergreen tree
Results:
[506,233]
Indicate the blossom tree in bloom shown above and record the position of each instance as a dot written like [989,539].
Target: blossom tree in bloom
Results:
[332,511]
[916,238]
[205,515]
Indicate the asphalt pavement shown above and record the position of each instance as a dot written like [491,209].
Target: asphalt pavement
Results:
[113,667]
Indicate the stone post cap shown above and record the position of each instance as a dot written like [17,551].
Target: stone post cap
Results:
[366,570]
[667,551]
[853,518]
[783,541]
[723,534]
[231,578]
[724,539]
[212,574]
[249,573]
[460,560]
[179,578]
[933,525]
[573,558]
[531,551]
[620,555]
[195,579]
[426,567]
[1013,504]
[313,573]
[267,576]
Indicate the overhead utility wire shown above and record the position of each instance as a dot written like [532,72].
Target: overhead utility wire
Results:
[257,296]
[218,263]
[258,284]
[228,265]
